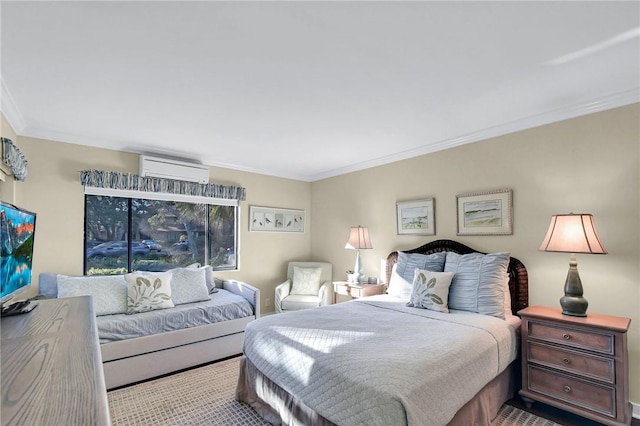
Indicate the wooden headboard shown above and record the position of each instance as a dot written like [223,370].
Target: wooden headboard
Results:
[518,277]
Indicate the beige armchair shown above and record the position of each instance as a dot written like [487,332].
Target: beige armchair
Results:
[307,286]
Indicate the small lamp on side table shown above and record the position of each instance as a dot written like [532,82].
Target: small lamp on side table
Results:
[359,239]
[573,233]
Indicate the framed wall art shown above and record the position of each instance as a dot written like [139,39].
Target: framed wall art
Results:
[268,219]
[485,213]
[416,217]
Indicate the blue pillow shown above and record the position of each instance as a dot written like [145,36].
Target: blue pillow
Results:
[478,282]
[409,262]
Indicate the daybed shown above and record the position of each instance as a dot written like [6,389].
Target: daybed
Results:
[377,361]
[143,345]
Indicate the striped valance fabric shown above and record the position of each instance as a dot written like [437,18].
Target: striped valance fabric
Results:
[133,182]
[14,158]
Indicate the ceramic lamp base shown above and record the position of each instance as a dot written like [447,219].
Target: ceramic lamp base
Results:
[572,302]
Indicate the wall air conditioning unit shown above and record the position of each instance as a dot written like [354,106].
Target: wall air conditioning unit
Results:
[166,168]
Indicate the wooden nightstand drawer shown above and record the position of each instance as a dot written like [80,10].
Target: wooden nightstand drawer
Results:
[579,364]
[595,367]
[576,338]
[356,290]
[345,290]
[586,395]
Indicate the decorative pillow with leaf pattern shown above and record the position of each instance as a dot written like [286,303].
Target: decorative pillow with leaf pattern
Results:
[430,290]
[146,292]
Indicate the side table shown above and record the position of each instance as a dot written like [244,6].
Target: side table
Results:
[578,364]
[356,290]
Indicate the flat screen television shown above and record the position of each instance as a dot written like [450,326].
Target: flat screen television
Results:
[17,231]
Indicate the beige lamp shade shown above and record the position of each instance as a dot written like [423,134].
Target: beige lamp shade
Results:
[573,233]
[359,238]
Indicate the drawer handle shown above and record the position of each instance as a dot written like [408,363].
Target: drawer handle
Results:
[566,336]
[566,360]
[567,389]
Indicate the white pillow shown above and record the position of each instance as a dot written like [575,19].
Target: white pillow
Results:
[398,286]
[188,285]
[306,281]
[148,291]
[212,282]
[431,290]
[507,296]
[109,292]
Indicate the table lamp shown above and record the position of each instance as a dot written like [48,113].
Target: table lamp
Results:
[573,233]
[359,239]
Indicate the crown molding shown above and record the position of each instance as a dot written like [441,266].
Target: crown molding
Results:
[10,110]
[39,133]
[571,111]
[272,173]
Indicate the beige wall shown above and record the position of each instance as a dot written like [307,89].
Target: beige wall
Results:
[589,164]
[53,190]
[585,165]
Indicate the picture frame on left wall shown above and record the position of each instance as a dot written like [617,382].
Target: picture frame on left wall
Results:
[416,217]
[271,219]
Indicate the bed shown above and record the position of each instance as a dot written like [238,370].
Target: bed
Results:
[377,361]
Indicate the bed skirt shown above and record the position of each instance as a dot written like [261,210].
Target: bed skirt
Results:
[278,407]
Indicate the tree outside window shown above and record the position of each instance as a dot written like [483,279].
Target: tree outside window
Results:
[133,234]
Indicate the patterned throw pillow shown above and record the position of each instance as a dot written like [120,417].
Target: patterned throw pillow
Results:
[147,292]
[431,290]
[188,285]
[306,281]
[109,292]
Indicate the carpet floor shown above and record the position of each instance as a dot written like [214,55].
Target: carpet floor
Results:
[205,396]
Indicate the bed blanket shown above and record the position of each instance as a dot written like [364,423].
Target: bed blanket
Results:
[368,362]
[223,306]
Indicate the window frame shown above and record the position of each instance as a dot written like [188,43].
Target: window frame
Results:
[162,196]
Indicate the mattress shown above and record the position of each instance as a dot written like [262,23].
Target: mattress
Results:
[223,306]
[375,361]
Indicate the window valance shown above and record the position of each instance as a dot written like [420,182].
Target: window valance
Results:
[133,182]
[14,159]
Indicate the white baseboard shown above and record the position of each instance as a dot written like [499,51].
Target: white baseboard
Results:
[635,410]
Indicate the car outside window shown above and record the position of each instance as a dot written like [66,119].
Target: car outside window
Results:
[133,234]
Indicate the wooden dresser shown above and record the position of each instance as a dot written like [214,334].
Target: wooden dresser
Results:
[579,364]
[51,367]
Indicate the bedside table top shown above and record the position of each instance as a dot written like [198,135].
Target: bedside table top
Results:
[356,285]
[593,320]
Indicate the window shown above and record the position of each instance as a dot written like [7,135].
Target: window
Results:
[124,234]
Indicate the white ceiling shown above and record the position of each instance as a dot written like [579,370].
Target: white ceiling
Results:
[308,90]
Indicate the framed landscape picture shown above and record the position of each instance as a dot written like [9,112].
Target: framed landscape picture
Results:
[268,219]
[416,217]
[485,213]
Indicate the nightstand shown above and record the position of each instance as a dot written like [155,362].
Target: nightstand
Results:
[355,290]
[578,364]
